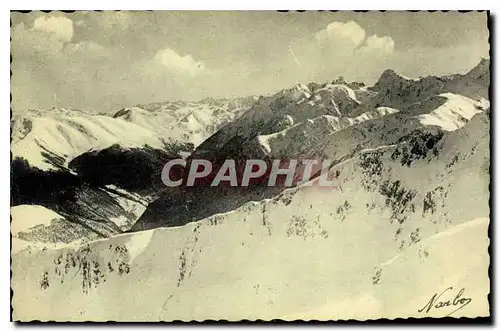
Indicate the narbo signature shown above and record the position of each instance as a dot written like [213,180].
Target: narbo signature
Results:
[439,301]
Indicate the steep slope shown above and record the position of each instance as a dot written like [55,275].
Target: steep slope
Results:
[474,84]
[90,170]
[326,121]
[103,194]
[135,169]
[424,120]
[304,139]
[394,233]
[350,104]
[245,138]
[278,112]
[49,139]
[38,227]
[454,113]
[100,171]
[400,92]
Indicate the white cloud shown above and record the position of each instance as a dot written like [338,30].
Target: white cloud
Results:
[341,49]
[49,60]
[184,64]
[378,44]
[341,33]
[345,37]
[59,26]
[55,45]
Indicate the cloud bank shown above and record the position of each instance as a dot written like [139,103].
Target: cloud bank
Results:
[184,64]
[105,61]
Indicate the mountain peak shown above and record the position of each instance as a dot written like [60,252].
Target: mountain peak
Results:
[340,80]
[300,87]
[389,73]
[484,61]
[388,77]
[297,92]
[481,69]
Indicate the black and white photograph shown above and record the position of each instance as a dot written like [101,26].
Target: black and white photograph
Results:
[249,165]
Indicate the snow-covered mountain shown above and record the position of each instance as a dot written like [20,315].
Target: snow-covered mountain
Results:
[99,172]
[191,122]
[49,139]
[329,122]
[408,219]
[330,107]
[392,235]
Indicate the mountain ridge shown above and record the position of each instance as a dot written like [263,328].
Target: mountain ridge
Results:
[304,121]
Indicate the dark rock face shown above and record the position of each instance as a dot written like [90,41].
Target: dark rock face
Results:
[33,186]
[65,193]
[180,205]
[82,196]
[132,169]
[397,91]
[474,84]
[419,146]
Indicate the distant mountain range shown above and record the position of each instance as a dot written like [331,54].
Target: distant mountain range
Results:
[69,160]
[411,156]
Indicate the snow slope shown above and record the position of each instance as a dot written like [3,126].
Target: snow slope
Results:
[183,121]
[408,219]
[328,121]
[305,137]
[253,265]
[390,237]
[454,259]
[454,113]
[25,217]
[49,139]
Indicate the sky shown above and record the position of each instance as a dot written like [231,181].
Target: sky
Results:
[104,61]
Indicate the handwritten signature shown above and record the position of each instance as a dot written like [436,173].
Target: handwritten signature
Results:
[442,301]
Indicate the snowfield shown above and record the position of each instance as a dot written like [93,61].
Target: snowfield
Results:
[25,217]
[237,268]
[454,113]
